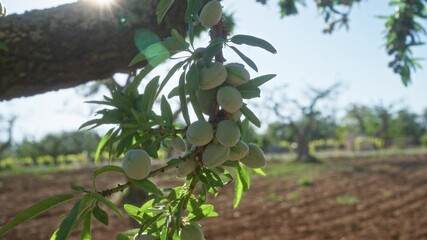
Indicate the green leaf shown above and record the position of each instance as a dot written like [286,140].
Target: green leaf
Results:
[162,8]
[193,7]
[183,99]
[102,144]
[141,75]
[253,41]
[213,178]
[78,188]
[127,235]
[238,192]
[104,169]
[192,77]
[259,171]
[34,211]
[121,236]
[196,105]
[178,37]
[244,128]
[250,116]
[245,59]
[134,212]
[86,232]
[67,224]
[137,59]
[100,215]
[150,93]
[174,92]
[169,75]
[179,211]
[249,91]
[147,186]
[191,31]
[206,210]
[242,184]
[258,81]
[243,174]
[3,47]
[107,203]
[166,111]
[214,47]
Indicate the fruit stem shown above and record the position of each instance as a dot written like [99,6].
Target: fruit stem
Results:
[122,187]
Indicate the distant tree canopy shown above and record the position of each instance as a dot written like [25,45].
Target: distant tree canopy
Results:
[396,127]
[74,43]
[58,144]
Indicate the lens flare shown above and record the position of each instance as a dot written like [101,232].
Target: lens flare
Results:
[102,2]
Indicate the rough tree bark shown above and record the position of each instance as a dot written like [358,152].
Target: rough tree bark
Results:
[75,43]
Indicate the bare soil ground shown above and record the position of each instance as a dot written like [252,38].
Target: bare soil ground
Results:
[364,199]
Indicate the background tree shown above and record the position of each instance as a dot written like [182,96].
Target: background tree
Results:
[309,115]
[407,128]
[6,133]
[64,143]
[384,114]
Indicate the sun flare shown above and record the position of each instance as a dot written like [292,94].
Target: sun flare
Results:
[102,2]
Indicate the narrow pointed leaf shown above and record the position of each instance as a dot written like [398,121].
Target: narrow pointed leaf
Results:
[67,224]
[193,7]
[35,210]
[169,75]
[162,8]
[100,215]
[166,111]
[107,203]
[87,222]
[183,99]
[196,105]
[150,93]
[253,41]
[258,81]
[245,59]
[102,144]
[259,171]
[250,116]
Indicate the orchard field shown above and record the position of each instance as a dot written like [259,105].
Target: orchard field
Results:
[342,198]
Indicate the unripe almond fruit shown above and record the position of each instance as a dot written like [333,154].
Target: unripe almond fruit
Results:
[185,167]
[179,144]
[239,151]
[212,76]
[214,155]
[192,231]
[227,133]
[136,164]
[255,157]
[144,237]
[199,133]
[210,14]
[236,74]
[229,98]
[236,115]
[206,99]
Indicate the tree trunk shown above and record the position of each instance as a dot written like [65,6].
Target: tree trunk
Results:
[303,151]
[75,43]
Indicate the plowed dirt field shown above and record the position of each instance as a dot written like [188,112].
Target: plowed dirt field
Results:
[360,199]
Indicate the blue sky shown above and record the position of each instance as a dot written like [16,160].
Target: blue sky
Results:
[306,57]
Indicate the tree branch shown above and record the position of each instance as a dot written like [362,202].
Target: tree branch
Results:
[75,43]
